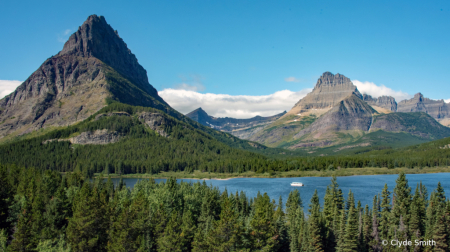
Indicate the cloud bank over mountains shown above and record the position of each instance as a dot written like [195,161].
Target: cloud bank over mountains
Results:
[8,86]
[236,106]
[186,98]
[374,90]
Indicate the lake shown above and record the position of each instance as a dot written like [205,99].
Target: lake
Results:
[363,187]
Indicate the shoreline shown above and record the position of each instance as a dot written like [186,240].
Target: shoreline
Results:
[369,171]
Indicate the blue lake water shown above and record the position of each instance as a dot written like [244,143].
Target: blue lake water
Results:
[363,187]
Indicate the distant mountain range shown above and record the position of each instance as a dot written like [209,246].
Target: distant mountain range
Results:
[335,114]
[242,128]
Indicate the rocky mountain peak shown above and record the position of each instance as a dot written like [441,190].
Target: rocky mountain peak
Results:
[329,90]
[199,115]
[96,38]
[329,79]
[418,96]
[435,108]
[94,66]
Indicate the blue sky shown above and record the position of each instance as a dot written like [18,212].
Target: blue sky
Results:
[248,49]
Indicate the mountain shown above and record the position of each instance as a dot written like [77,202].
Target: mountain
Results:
[242,128]
[329,90]
[438,109]
[91,108]
[347,116]
[336,114]
[94,67]
[383,104]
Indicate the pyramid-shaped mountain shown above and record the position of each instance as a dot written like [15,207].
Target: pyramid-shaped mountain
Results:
[200,116]
[94,67]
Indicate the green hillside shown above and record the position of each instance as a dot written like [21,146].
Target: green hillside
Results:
[141,150]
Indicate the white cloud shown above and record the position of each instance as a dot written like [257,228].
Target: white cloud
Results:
[236,106]
[447,101]
[375,91]
[8,86]
[291,79]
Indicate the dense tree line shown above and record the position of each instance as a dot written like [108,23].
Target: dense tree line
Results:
[189,147]
[45,211]
[143,151]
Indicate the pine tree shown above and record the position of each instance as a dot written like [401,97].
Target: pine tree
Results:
[293,204]
[87,228]
[187,231]
[401,200]
[333,203]
[350,237]
[227,232]
[367,224]
[341,233]
[375,244]
[417,219]
[262,226]
[128,230]
[440,195]
[22,236]
[440,233]
[6,194]
[170,239]
[385,213]
[315,225]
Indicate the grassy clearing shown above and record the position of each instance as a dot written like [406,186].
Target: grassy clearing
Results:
[340,173]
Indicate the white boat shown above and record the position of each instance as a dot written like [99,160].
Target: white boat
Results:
[297,184]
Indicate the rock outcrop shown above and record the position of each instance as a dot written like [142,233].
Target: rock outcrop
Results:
[386,102]
[437,109]
[157,122]
[242,128]
[102,136]
[94,65]
[96,137]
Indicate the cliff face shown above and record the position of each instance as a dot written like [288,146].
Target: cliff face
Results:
[386,102]
[350,114]
[329,90]
[437,109]
[95,64]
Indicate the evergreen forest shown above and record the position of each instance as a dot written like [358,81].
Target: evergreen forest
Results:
[43,210]
[190,146]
